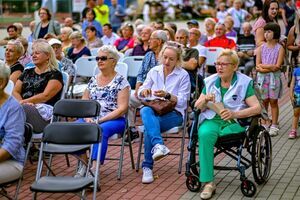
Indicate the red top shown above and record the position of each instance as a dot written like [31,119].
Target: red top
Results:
[222,41]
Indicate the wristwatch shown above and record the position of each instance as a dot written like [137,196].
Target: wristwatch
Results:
[168,96]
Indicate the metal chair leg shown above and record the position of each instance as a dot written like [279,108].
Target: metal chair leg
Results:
[121,158]
[130,150]
[139,153]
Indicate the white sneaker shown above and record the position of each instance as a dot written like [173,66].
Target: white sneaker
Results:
[159,151]
[273,131]
[147,175]
[80,171]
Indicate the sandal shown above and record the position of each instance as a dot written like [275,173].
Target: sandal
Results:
[208,191]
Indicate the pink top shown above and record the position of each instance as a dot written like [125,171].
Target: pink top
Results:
[260,23]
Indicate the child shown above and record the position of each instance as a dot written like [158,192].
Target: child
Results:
[269,57]
[222,13]
[295,98]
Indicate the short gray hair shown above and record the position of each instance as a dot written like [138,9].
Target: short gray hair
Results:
[111,50]
[4,72]
[184,31]
[161,34]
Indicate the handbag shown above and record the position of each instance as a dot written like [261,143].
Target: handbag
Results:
[160,106]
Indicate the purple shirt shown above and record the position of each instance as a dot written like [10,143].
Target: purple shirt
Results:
[138,50]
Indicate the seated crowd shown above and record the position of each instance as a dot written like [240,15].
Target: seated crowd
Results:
[173,67]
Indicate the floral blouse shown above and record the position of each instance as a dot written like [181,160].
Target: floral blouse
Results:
[107,96]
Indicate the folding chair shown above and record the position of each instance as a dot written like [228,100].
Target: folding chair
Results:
[66,79]
[84,68]
[2,52]
[134,64]
[174,130]
[122,69]
[27,145]
[72,136]
[94,51]
[10,87]
[213,53]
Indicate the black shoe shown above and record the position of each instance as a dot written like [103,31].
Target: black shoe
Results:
[134,136]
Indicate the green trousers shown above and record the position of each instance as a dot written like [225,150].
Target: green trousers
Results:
[208,133]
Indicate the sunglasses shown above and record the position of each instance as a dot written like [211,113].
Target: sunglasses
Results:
[102,58]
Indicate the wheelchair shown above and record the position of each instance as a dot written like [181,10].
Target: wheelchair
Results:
[255,140]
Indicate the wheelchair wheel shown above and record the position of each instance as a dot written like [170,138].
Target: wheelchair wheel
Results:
[192,183]
[248,188]
[261,156]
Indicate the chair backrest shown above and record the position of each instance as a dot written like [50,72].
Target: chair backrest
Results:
[2,52]
[72,133]
[94,51]
[233,38]
[212,54]
[76,108]
[66,79]
[10,87]
[134,64]
[29,49]
[121,68]
[27,134]
[85,66]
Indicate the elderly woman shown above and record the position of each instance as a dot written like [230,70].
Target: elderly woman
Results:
[39,88]
[78,48]
[269,14]
[171,82]
[12,121]
[46,25]
[65,39]
[91,37]
[210,24]
[111,90]
[228,22]
[126,41]
[236,92]
[14,50]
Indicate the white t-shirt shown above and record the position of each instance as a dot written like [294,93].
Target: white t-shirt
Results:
[109,41]
[221,16]
[238,16]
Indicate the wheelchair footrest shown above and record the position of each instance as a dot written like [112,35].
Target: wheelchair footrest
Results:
[232,140]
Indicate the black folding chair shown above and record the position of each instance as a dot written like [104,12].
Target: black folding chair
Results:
[72,136]
[27,145]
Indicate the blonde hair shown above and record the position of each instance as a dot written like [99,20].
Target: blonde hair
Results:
[232,54]
[43,46]
[18,46]
[67,30]
[176,47]
[77,35]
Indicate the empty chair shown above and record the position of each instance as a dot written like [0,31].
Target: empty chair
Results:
[212,53]
[134,63]
[85,67]
[94,51]
[68,135]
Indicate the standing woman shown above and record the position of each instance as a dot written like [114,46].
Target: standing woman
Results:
[12,122]
[168,81]
[39,88]
[90,21]
[14,50]
[78,48]
[269,14]
[46,25]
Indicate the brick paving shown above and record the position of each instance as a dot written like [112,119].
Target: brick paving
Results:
[284,182]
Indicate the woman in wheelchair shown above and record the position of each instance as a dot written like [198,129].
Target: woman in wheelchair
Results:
[235,90]
[12,120]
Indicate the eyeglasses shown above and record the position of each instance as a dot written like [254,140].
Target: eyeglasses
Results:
[218,64]
[102,58]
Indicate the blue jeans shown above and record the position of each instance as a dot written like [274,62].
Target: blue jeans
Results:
[154,125]
[108,129]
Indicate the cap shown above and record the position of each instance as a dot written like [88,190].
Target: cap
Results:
[194,22]
[53,41]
